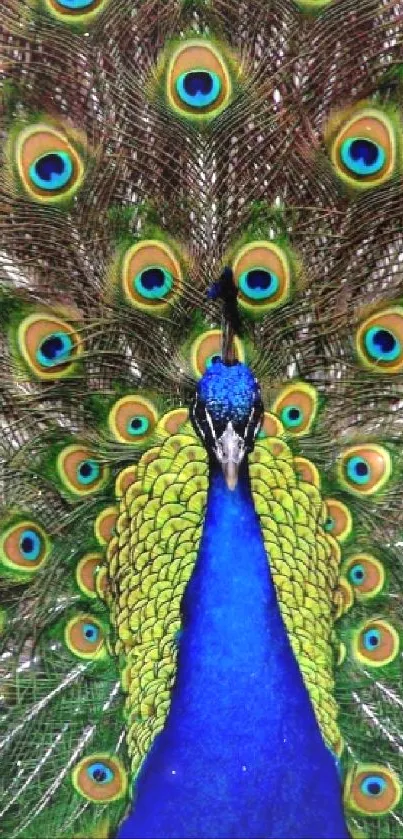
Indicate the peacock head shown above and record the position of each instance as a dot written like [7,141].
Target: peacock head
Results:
[227,413]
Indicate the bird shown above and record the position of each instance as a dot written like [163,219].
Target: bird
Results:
[201,343]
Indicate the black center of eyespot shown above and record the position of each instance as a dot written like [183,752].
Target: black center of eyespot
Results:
[294,413]
[359,575]
[373,640]
[152,278]
[48,165]
[85,470]
[27,544]
[384,340]
[258,278]
[365,151]
[89,633]
[374,788]
[135,424]
[99,775]
[361,469]
[52,347]
[198,81]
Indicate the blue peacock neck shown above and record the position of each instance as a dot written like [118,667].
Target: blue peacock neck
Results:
[241,754]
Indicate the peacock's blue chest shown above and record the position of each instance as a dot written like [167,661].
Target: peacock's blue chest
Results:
[241,753]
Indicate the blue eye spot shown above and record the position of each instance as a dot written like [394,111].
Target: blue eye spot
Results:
[51,171]
[30,545]
[357,574]
[100,773]
[88,471]
[55,349]
[198,88]
[91,632]
[154,282]
[373,785]
[371,639]
[291,416]
[362,156]
[358,470]
[381,344]
[138,425]
[329,524]
[259,283]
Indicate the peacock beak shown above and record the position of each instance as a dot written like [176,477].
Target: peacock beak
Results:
[230,451]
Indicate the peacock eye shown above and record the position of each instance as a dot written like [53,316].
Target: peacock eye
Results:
[132,419]
[49,166]
[371,639]
[30,545]
[373,785]
[75,5]
[88,471]
[356,574]
[198,88]
[376,643]
[52,171]
[100,778]
[296,406]
[24,547]
[292,417]
[79,472]
[379,341]
[364,470]
[358,470]
[100,773]
[362,156]
[150,276]
[198,82]
[206,351]
[55,349]
[154,282]
[84,636]
[367,575]
[75,11]
[263,275]
[49,346]
[329,524]
[259,283]
[363,151]
[372,789]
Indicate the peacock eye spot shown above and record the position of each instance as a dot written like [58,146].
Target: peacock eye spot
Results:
[371,639]
[373,786]
[358,470]
[357,574]
[55,349]
[381,344]
[88,471]
[198,88]
[329,524]
[30,545]
[291,416]
[362,156]
[91,632]
[52,171]
[138,425]
[154,282]
[259,283]
[100,773]
[75,5]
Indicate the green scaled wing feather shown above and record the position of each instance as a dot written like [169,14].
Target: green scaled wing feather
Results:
[121,199]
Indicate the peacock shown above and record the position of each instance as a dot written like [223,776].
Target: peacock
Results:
[201,342]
